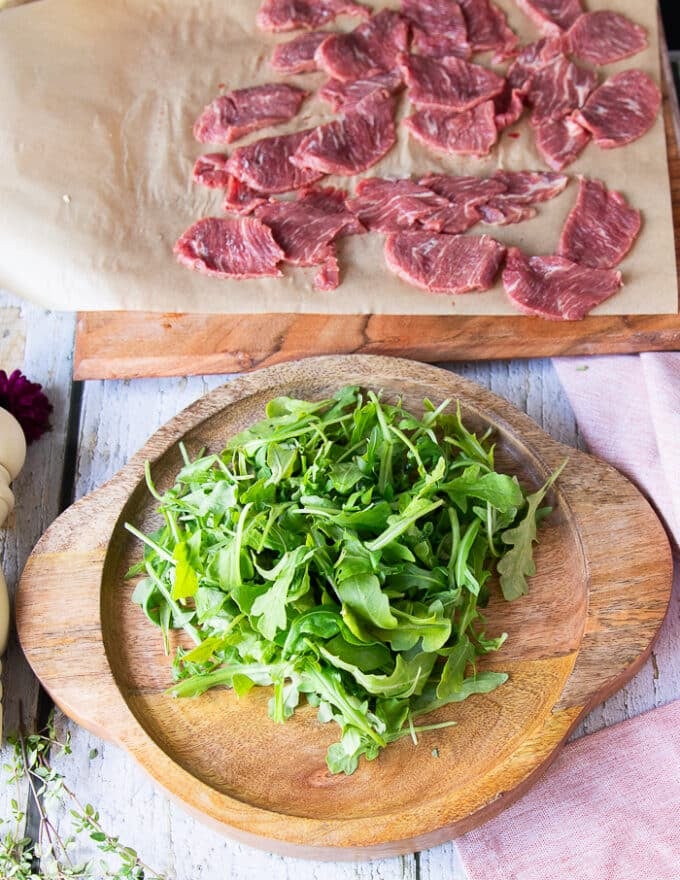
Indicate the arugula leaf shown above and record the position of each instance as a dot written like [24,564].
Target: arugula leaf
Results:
[518,563]
[339,552]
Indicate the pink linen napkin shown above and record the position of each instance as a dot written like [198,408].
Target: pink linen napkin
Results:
[608,807]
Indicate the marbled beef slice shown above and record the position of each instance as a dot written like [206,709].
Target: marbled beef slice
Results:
[488,29]
[291,15]
[437,27]
[230,247]
[603,37]
[266,166]
[554,287]
[522,190]
[343,95]
[210,170]
[448,83]
[551,17]
[558,88]
[470,133]
[601,227]
[444,263]
[371,48]
[621,110]
[384,205]
[351,144]
[306,228]
[235,114]
[560,141]
[297,55]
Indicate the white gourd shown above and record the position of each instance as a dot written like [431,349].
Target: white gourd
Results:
[12,457]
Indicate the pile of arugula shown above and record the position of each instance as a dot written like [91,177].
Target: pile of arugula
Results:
[340,549]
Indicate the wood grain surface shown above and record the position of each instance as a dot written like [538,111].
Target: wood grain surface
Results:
[587,625]
[132,344]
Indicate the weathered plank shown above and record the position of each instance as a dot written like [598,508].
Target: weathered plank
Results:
[40,344]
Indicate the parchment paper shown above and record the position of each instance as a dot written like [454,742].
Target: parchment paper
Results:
[96,151]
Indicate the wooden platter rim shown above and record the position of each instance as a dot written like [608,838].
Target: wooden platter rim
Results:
[205,800]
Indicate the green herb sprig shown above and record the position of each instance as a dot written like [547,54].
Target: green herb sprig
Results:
[341,550]
[30,761]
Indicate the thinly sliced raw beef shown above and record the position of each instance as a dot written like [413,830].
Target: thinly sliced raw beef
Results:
[470,133]
[487,28]
[560,141]
[448,83]
[391,205]
[297,55]
[266,166]
[444,263]
[508,107]
[351,144]
[233,115]
[371,48]
[467,193]
[239,198]
[290,15]
[601,228]
[558,88]
[211,171]
[621,110]
[554,287]
[305,228]
[531,59]
[551,17]
[342,95]
[603,37]
[523,189]
[230,247]
[438,27]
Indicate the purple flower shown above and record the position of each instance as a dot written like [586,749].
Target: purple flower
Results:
[27,403]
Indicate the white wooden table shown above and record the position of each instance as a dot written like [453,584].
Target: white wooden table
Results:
[97,426]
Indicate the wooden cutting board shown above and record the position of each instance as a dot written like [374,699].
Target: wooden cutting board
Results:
[111,345]
[601,591]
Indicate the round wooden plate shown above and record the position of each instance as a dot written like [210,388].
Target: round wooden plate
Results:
[598,599]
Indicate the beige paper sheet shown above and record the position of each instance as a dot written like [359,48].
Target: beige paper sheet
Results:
[98,100]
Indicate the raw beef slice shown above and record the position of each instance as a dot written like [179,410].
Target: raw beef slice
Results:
[603,37]
[266,166]
[305,228]
[508,107]
[297,55]
[487,28]
[558,88]
[621,110]
[239,198]
[211,171]
[351,144]
[437,26]
[444,263]
[391,205]
[342,95]
[233,115]
[601,228]
[531,59]
[230,247]
[289,15]
[554,287]
[522,190]
[466,192]
[560,141]
[472,132]
[551,17]
[371,48]
[448,83]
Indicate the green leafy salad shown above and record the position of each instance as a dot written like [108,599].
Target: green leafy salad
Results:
[340,551]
